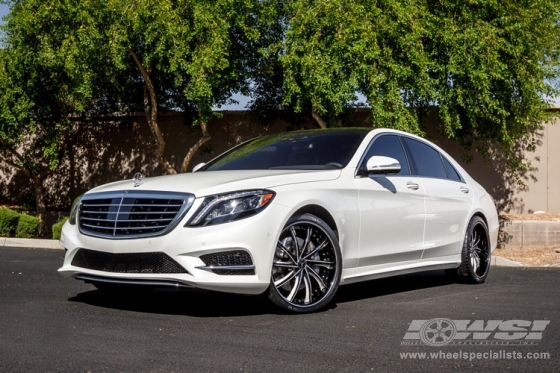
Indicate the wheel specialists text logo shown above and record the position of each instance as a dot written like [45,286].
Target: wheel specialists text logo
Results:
[440,332]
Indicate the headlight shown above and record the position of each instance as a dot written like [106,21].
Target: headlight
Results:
[74,210]
[224,208]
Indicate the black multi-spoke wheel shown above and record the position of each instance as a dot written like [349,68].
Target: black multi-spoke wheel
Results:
[306,266]
[475,259]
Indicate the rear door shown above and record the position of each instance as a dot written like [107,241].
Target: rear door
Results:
[448,199]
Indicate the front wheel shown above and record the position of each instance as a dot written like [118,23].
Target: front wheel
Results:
[307,265]
[475,258]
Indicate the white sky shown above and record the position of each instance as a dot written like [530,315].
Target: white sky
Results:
[4,9]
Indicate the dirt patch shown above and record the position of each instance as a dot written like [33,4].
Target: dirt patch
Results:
[532,256]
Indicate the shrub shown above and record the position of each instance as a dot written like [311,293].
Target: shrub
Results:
[57,228]
[8,222]
[28,227]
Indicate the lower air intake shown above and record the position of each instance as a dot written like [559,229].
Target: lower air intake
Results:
[227,258]
[233,272]
[235,262]
[127,262]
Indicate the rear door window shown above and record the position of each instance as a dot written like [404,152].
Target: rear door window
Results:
[425,159]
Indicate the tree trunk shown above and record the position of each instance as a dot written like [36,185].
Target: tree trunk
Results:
[192,151]
[318,118]
[151,110]
[41,206]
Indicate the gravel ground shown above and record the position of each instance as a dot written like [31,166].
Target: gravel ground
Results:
[537,256]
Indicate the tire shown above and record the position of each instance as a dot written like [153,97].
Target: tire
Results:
[475,257]
[122,291]
[307,265]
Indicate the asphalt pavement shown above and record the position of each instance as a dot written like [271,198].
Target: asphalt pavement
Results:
[49,323]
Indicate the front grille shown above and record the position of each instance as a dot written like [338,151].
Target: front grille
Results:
[155,262]
[131,214]
[227,258]
[236,262]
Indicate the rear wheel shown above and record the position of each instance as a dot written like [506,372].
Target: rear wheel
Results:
[307,265]
[475,258]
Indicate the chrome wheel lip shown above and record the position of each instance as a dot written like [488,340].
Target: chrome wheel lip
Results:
[302,272]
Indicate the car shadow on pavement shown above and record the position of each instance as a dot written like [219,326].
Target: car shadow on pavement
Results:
[189,302]
[393,285]
[204,303]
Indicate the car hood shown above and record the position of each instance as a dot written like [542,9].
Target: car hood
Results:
[214,182]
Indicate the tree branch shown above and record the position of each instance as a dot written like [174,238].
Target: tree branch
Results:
[11,162]
[192,151]
[318,118]
[151,110]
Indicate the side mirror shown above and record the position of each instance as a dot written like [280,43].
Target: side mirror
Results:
[382,165]
[198,166]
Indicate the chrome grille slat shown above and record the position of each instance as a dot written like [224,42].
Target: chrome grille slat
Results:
[151,205]
[128,220]
[93,226]
[139,212]
[132,214]
[142,220]
[95,219]
[146,227]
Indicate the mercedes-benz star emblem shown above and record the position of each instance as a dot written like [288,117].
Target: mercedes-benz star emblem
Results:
[137,179]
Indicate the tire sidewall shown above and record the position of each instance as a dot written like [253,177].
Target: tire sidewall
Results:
[465,270]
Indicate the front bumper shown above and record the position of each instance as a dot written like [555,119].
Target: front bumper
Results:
[255,235]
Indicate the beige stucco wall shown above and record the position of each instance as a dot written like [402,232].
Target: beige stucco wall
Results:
[543,192]
[113,150]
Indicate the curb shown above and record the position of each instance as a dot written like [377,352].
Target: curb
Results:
[30,243]
[498,261]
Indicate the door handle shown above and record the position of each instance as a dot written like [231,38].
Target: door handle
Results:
[411,185]
[464,189]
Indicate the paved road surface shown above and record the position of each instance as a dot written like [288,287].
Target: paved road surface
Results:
[52,324]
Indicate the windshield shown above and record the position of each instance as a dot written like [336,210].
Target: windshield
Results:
[305,150]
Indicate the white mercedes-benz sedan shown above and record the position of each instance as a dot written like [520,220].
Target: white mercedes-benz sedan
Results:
[294,215]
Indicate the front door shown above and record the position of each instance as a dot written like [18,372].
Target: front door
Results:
[392,212]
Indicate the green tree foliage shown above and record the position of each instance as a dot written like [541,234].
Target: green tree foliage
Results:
[27,226]
[51,75]
[486,66]
[57,229]
[8,222]
[492,65]
[40,89]
[65,62]
[199,44]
